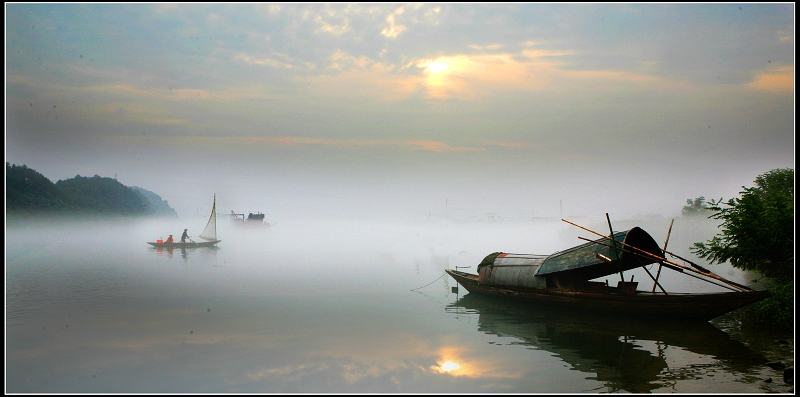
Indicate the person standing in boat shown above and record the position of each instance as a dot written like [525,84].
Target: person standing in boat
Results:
[185,235]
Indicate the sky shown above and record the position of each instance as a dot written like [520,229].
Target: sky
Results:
[456,110]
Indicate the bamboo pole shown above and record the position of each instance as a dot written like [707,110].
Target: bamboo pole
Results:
[611,237]
[690,262]
[662,259]
[665,250]
[658,258]
[614,243]
[668,233]
[655,282]
[703,272]
[677,269]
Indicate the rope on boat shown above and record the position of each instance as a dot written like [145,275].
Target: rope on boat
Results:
[443,274]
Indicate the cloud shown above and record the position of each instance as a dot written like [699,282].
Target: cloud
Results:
[339,28]
[360,68]
[422,145]
[467,76]
[287,63]
[786,36]
[440,147]
[363,78]
[416,14]
[472,76]
[285,141]
[778,79]
[335,30]
[340,60]
[133,114]
[394,29]
[512,145]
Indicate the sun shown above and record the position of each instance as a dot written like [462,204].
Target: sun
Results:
[437,67]
[448,366]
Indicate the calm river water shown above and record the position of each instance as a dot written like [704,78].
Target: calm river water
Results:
[339,306]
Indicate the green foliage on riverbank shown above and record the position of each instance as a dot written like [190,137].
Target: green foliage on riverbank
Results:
[757,228]
[778,309]
[757,234]
[29,193]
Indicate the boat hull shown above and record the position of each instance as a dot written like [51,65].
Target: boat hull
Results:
[705,306]
[184,245]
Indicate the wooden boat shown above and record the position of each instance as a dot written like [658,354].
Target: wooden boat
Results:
[209,234]
[180,245]
[564,279]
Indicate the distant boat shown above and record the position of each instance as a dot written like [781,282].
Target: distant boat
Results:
[257,217]
[563,280]
[253,218]
[209,234]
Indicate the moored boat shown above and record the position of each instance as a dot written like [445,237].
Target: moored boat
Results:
[564,279]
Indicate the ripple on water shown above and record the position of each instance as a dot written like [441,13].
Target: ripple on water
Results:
[38,291]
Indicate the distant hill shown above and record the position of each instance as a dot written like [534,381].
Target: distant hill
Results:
[29,192]
[158,206]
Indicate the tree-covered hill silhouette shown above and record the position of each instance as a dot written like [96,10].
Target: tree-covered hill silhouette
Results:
[29,192]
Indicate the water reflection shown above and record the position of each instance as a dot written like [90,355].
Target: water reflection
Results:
[185,253]
[302,309]
[624,354]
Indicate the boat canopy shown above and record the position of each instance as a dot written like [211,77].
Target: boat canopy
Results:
[585,262]
[505,259]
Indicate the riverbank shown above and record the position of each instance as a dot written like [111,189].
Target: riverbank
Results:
[776,345]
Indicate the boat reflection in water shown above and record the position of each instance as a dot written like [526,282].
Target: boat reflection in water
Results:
[624,354]
[169,251]
[184,252]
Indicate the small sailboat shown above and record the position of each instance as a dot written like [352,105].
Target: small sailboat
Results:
[209,234]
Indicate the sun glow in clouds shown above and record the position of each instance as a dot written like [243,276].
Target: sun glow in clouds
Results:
[448,366]
[436,67]
[438,74]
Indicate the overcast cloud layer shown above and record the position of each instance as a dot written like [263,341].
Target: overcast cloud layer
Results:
[529,109]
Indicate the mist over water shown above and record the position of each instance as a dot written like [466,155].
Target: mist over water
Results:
[312,303]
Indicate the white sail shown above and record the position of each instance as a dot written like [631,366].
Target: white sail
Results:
[210,232]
